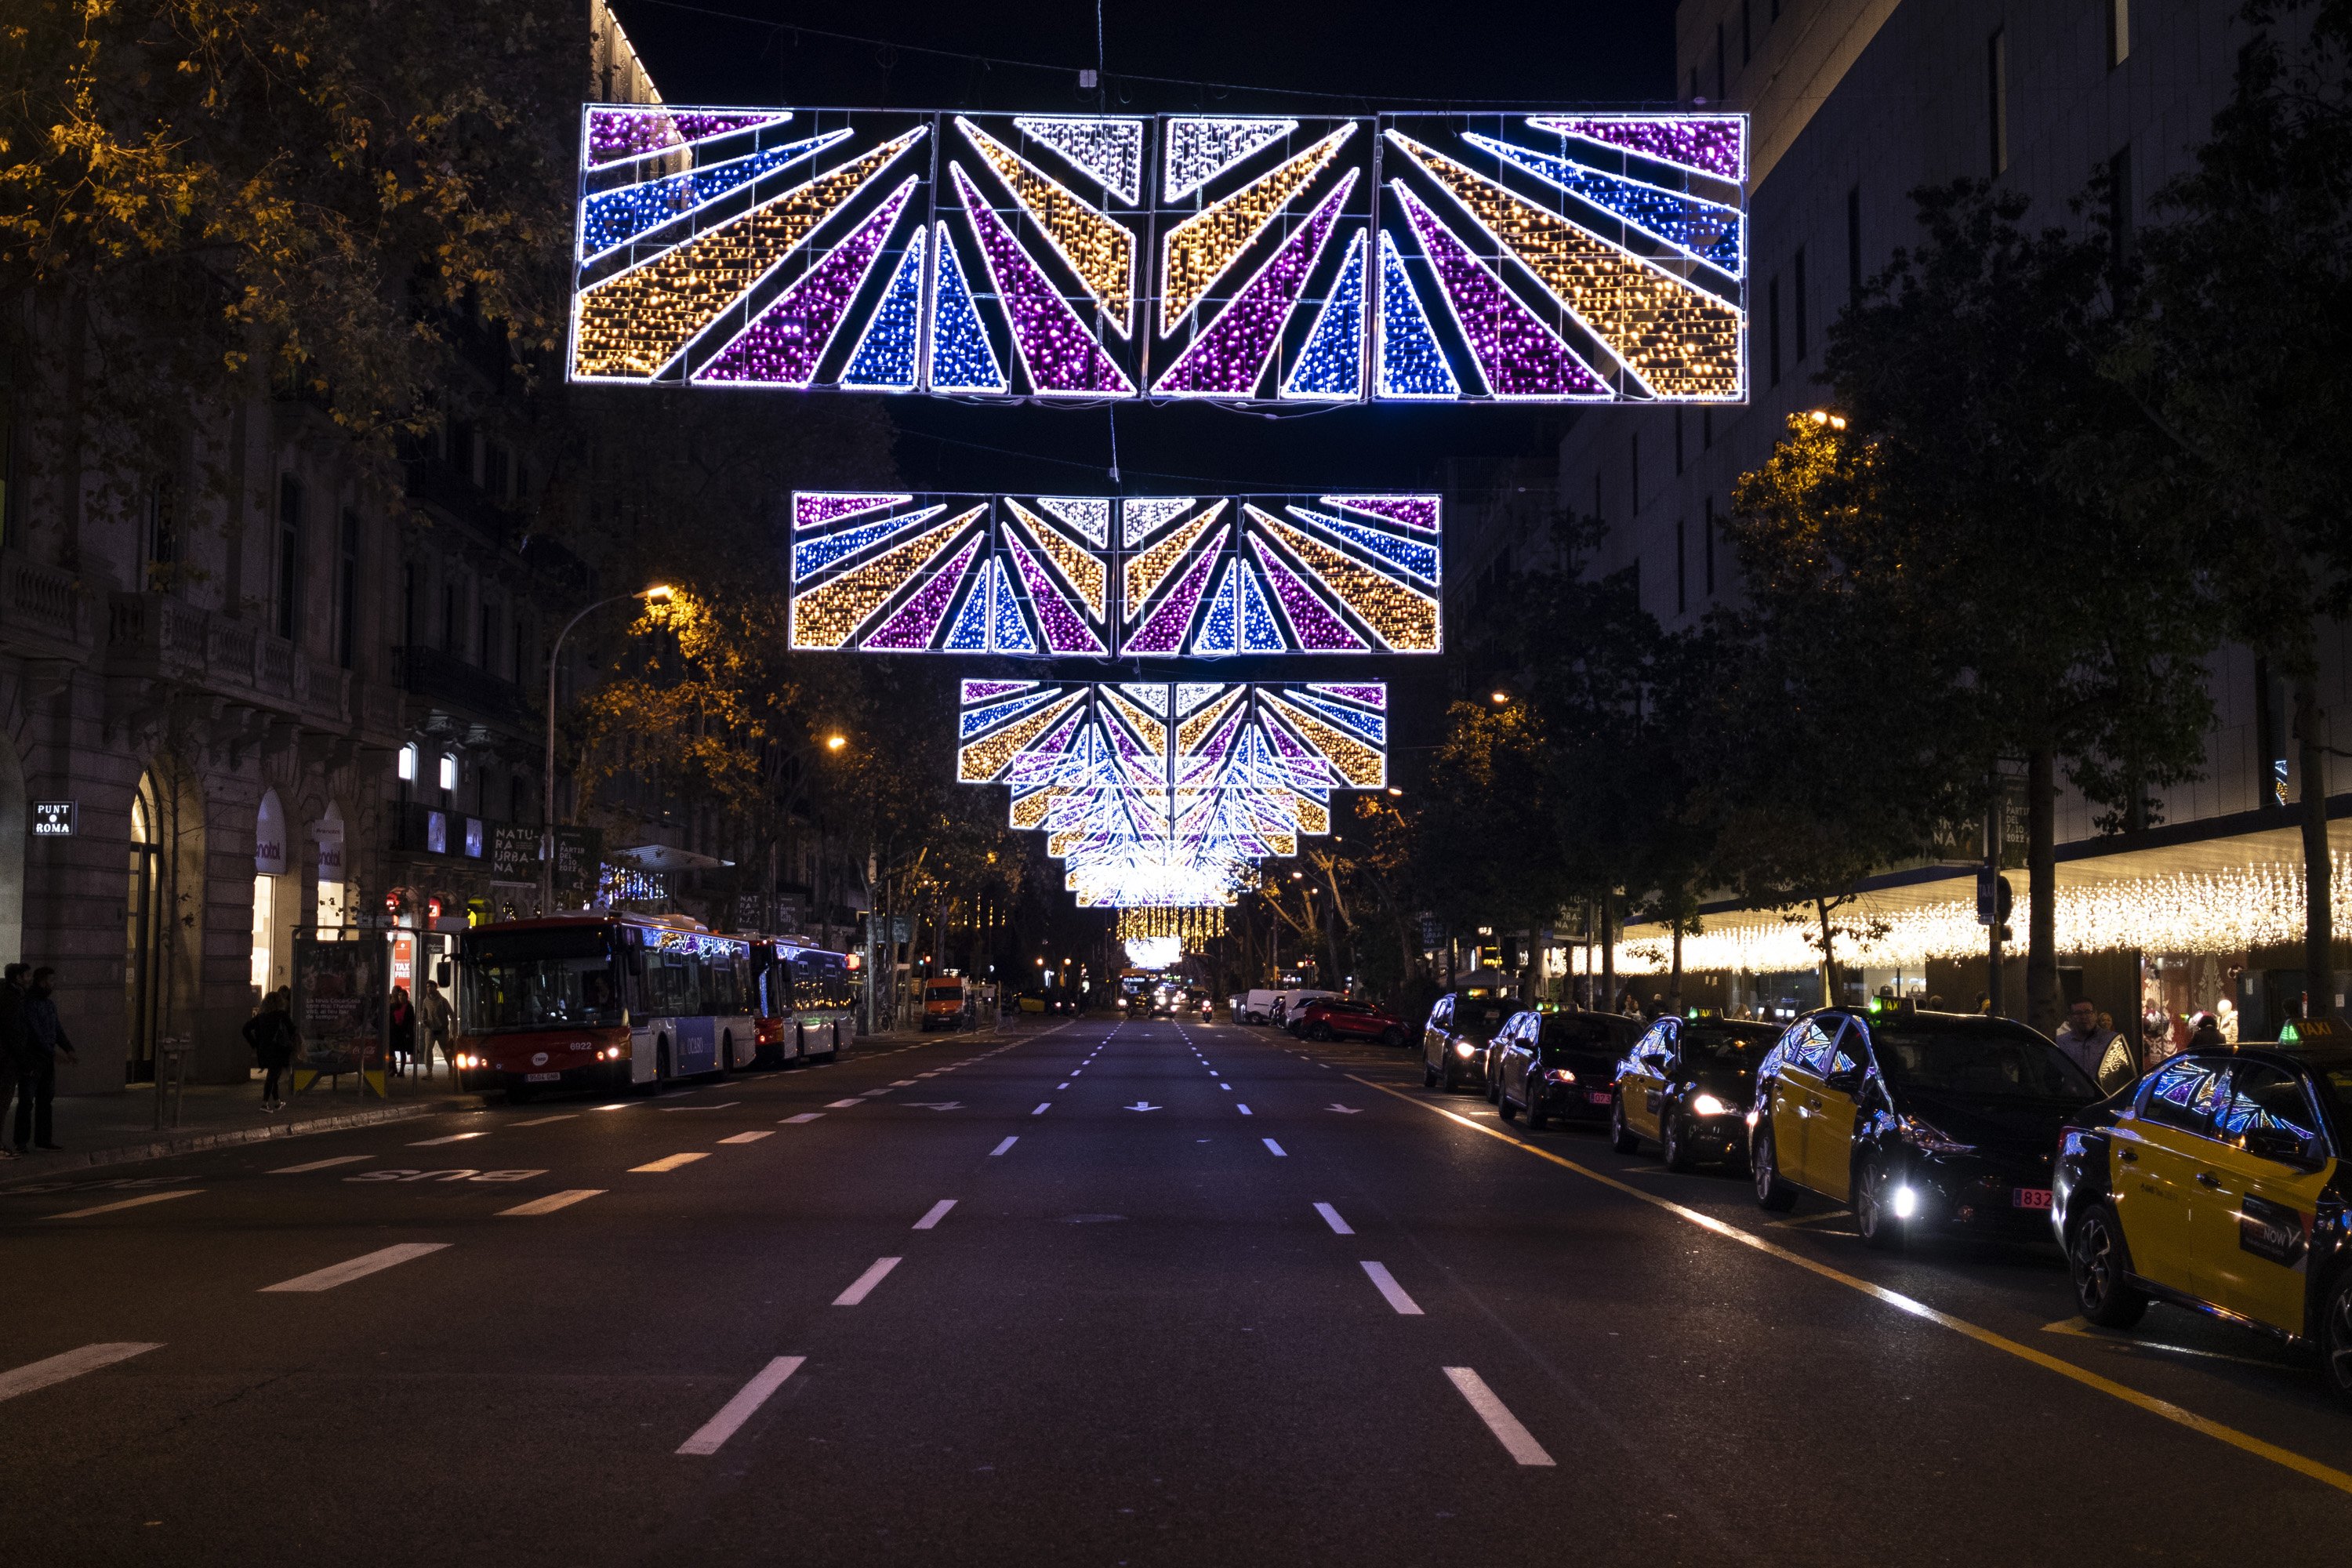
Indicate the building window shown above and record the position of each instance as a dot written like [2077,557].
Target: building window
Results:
[2119,203]
[347,591]
[1706,544]
[498,471]
[1797,301]
[1747,32]
[407,767]
[289,555]
[1719,71]
[1853,241]
[449,772]
[1997,97]
[453,630]
[1682,570]
[8,461]
[2118,32]
[163,529]
[489,650]
[1772,328]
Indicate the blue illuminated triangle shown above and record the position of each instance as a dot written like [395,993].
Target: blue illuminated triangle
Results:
[1705,231]
[971,631]
[1332,364]
[613,217]
[1411,363]
[1008,632]
[885,360]
[961,358]
[1218,627]
[1261,633]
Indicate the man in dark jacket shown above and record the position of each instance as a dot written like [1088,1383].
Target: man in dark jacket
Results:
[36,1085]
[14,1045]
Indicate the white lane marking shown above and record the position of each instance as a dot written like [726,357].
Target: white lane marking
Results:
[669,1162]
[1274,1149]
[843,1104]
[1041,1108]
[452,1138]
[740,1409]
[1240,1107]
[73,1364]
[1331,1217]
[720,1106]
[864,1285]
[902,1083]
[543,1120]
[320,1164]
[352,1269]
[617,1105]
[552,1201]
[803,1116]
[1226,1087]
[1390,1291]
[1516,1440]
[1008,1144]
[1064,1084]
[936,1212]
[749,1137]
[128,1203]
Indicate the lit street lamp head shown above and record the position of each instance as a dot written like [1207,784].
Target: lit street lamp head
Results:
[659,593]
[835,742]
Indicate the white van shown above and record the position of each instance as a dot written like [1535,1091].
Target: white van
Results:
[1257,1006]
[1292,1000]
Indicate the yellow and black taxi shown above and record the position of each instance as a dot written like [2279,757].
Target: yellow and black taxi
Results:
[2217,1183]
[1462,1025]
[1687,1083]
[1560,1065]
[1921,1121]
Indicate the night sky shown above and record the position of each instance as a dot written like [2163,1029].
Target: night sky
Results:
[1219,56]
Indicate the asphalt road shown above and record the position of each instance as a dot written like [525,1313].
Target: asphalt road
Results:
[1096,1293]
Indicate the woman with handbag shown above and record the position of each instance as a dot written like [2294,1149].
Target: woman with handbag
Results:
[273,1038]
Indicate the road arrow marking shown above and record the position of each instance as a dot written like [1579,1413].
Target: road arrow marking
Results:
[1142,1105]
[1345,1110]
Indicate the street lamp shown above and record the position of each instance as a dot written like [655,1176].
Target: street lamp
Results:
[835,742]
[1396,792]
[659,593]
[1500,696]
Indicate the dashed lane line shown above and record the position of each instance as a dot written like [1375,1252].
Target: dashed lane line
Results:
[2245,1442]
[452,1138]
[551,1202]
[1331,1217]
[1240,1107]
[1516,1440]
[142,1200]
[1006,1146]
[668,1162]
[543,1120]
[749,1137]
[310,1165]
[1390,1291]
[1043,1106]
[352,1269]
[803,1116]
[843,1104]
[863,1286]
[936,1212]
[72,1364]
[713,1434]
[1275,1148]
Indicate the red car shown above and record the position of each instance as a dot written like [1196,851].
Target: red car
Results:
[1328,1018]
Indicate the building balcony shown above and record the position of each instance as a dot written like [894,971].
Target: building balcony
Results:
[446,680]
[44,610]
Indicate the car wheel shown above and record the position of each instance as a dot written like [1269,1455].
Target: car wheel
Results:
[2336,1335]
[1319,1032]
[2096,1259]
[1622,1138]
[1510,1111]
[1494,1088]
[1428,1076]
[1392,1038]
[1873,1214]
[1773,1191]
[1674,1143]
[1536,1118]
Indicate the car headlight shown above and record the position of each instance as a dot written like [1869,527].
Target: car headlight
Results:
[1559,1075]
[1928,1140]
[1705,1104]
[1464,1048]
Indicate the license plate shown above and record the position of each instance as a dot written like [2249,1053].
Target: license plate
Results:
[1598,1097]
[542,1077]
[2029,1197]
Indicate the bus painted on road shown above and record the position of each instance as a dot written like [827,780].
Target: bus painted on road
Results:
[604,1001]
[805,999]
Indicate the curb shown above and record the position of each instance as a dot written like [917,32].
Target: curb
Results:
[198,1142]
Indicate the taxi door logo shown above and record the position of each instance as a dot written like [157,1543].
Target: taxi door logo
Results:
[2270,1231]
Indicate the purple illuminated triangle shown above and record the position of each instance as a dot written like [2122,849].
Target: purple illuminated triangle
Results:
[1706,146]
[813,511]
[1065,630]
[618,133]
[1519,357]
[917,620]
[1413,511]
[1230,357]
[1062,357]
[1165,630]
[981,690]
[1369,695]
[782,346]
[1319,631]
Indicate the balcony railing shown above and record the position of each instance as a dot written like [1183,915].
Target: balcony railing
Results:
[42,608]
[439,677]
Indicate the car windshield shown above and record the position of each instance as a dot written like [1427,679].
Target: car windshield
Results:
[1720,1045]
[540,980]
[1480,1017]
[1994,1058]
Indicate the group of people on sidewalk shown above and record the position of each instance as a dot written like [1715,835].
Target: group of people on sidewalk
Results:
[272,1034]
[32,1038]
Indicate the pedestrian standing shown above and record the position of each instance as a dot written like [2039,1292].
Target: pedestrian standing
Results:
[273,1038]
[14,1045]
[37,1081]
[436,1023]
[403,1026]
[2094,1049]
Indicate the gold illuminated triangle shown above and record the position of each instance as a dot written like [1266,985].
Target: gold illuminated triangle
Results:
[1102,253]
[1196,252]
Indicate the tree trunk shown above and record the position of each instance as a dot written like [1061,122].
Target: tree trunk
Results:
[1829,959]
[2041,1009]
[2319,915]
[1675,979]
[1608,1002]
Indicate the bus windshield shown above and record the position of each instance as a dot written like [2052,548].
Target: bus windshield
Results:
[541,980]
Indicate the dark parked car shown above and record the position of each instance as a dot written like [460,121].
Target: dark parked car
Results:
[1460,1025]
[1922,1122]
[1688,1083]
[1332,1019]
[2218,1183]
[1561,1065]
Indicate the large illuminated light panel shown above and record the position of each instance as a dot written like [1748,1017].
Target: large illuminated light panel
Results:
[1156,793]
[1158,576]
[1257,261]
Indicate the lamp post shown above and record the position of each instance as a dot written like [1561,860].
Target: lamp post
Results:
[658,594]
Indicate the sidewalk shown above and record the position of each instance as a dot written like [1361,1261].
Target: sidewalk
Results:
[114,1129]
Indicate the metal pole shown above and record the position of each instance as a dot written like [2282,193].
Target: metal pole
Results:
[547,775]
[1994,827]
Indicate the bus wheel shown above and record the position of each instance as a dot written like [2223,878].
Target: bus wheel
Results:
[661,1065]
[726,1053]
